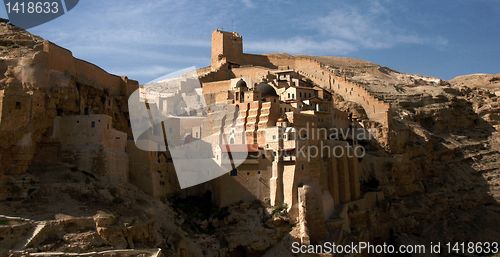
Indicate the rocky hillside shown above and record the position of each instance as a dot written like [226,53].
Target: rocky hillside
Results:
[51,207]
[440,178]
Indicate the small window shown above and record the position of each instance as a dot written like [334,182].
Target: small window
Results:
[293,96]
[92,124]
[274,137]
[77,121]
[18,105]
[258,172]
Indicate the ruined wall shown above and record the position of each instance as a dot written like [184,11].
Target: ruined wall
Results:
[48,82]
[62,60]
[91,143]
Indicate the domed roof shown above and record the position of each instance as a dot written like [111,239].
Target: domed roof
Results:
[241,83]
[266,90]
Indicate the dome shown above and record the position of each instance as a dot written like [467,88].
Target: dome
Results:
[241,83]
[266,90]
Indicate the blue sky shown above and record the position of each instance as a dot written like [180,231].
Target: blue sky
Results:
[147,39]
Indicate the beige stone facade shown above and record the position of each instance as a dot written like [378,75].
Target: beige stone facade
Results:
[280,99]
[91,142]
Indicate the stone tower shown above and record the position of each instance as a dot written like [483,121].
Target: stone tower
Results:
[226,46]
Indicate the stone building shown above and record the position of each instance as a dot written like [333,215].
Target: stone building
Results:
[272,109]
[93,145]
[281,111]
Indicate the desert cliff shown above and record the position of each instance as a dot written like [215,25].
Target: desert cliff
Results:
[431,173]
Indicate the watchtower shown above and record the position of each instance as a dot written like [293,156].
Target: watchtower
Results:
[228,46]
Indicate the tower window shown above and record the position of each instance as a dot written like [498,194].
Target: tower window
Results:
[18,105]
[92,124]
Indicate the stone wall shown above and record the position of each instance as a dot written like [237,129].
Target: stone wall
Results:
[376,109]
[61,60]
[251,183]
[90,142]
[50,82]
[228,45]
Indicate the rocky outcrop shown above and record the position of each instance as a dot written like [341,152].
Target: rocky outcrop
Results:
[430,174]
[50,204]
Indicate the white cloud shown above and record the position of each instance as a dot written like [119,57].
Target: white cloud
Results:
[140,53]
[301,45]
[129,31]
[347,29]
[372,29]
[149,71]
[248,3]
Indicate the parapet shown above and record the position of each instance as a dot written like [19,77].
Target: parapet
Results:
[61,59]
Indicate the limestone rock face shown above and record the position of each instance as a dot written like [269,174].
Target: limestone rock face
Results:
[38,82]
[430,174]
